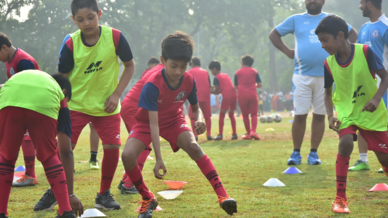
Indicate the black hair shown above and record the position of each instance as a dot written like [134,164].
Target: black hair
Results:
[196,61]
[64,83]
[376,3]
[333,24]
[4,40]
[153,60]
[215,65]
[76,5]
[247,60]
[178,46]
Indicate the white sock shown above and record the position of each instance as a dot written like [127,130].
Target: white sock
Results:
[364,157]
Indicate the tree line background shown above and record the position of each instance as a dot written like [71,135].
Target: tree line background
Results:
[223,30]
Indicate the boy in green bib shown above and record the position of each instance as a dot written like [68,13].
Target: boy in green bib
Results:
[353,69]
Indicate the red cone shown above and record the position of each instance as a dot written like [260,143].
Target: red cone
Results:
[379,187]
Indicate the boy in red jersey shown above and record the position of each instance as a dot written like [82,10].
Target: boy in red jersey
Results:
[160,110]
[202,80]
[247,80]
[223,84]
[152,62]
[16,61]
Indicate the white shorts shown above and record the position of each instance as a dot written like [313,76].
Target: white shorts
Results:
[308,93]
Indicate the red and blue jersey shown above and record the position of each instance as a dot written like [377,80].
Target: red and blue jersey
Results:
[158,95]
[223,81]
[146,70]
[246,79]
[64,122]
[20,61]
[202,80]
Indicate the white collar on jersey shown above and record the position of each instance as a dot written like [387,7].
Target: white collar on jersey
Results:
[314,15]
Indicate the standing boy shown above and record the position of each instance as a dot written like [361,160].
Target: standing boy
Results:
[247,80]
[161,101]
[223,84]
[356,98]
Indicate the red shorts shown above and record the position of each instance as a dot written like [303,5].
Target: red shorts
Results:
[377,141]
[108,128]
[14,123]
[206,109]
[170,132]
[229,103]
[128,112]
[248,105]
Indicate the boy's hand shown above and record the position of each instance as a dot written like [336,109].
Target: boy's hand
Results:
[111,103]
[371,106]
[200,127]
[159,166]
[334,123]
[76,205]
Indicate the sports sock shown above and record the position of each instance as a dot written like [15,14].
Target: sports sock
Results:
[29,157]
[341,169]
[246,123]
[208,170]
[193,126]
[364,157]
[221,123]
[208,122]
[140,163]
[297,150]
[313,150]
[233,122]
[93,156]
[57,180]
[108,168]
[136,176]
[254,122]
[6,177]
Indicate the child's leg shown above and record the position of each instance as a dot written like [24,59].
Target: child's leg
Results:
[232,121]
[140,163]
[245,113]
[254,108]
[344,151]
[29,157]
[221,122]
[7,170]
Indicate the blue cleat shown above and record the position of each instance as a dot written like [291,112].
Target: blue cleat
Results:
[295,158]
[313,159]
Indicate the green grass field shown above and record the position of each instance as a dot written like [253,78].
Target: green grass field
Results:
[244,166]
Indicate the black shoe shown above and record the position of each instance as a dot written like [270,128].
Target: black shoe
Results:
[196,138]
[229,205]
[147,207]
[210,138]
[125,190]
[2,215]
[120,184]
[66,214]
[234,137]
[106,201]
[218,138]
[47,202]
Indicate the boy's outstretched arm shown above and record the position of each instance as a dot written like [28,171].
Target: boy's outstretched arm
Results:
[154,127]
[374,103]
[333,121]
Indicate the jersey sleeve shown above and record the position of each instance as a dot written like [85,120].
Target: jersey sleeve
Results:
[258,79]
[193,94]
[328,77]
[64,43]
[374,61]
[216,82]
[25,65]
[123,50]
[286,27]
[64,121]
[149,97]
[66,58]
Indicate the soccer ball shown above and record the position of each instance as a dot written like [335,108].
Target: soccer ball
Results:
[270,119]
[278,118]
[263,119]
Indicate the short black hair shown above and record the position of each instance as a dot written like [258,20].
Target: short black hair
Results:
[196,61]
[247,60]
[178,46]
[64,83]
[153,60]
[333,24]
[376,3]
[4,40]
[215,65]
[79,4]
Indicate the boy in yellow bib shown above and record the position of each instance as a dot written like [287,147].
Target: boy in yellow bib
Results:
[353,69]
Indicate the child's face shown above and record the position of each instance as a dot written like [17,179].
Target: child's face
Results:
[174,68]
[214,71]
[328,42]
[4,54]
[87,20]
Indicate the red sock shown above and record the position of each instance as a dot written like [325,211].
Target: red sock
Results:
[6,177]
[233,121]
[246,123]
[108,168]
[254,122]
[140,163]
[221,123]
[193,127]
[208,170]
[57,180]
[29,157]
[341,169]
[208,122]
[135,175]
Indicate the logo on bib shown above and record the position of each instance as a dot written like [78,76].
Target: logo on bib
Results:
[12,71]
[357,94]
[94,67]
[180,96]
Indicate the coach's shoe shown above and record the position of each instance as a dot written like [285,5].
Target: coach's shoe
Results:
[295,158]
[339,205]
[147,207]
[360,165]
[246,137]
[47,202]
[66,214]
[93,165]
[218,137]
[381,171]
[255,136]
[26,180]
[234,137]
[313,159]
[2,215]
[210,138]
[106,201]
[228,204]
